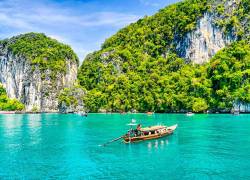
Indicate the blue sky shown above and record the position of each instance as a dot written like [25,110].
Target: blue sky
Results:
[83,24]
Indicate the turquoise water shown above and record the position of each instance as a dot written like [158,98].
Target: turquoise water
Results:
[53,146]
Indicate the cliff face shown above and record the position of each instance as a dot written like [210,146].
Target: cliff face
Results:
[215,30]
[204,42]
[241,107]
[31,84]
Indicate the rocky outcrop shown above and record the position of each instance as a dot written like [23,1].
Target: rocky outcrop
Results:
[204,42]
[71,100]
[32,86]
[241,107]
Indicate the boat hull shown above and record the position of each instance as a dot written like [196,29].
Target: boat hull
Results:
[7,112]
[166,132]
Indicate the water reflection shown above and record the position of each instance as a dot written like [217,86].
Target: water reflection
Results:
[157,144]
[10,122]
[34,121]
[10,126]
[149,145]
[33,125]
[20,130]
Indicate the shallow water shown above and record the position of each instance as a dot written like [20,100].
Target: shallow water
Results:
[57,146]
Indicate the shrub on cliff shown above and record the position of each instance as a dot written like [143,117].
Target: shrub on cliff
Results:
[7,104]
[71,99]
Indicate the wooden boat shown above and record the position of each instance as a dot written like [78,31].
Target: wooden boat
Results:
[189,114]
[142,134]
[81,113]
[7,112]
[148,133]
[150,113]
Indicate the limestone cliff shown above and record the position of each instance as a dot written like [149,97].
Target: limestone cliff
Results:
[204,42]
[29,76]
[241,107]
[215,30]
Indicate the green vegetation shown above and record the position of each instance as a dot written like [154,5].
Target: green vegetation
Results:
[231,21]
[151,35]
[229,72]
[35,109]
[7,104]
[164,84]
[141,43]
[71,96]
[71,99]
[42,51]
[139,69]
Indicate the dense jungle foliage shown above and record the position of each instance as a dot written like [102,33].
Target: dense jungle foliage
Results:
[229,72]
[7,104]
[139,69]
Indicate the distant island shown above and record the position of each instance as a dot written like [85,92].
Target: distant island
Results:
[35,68]
[190,56]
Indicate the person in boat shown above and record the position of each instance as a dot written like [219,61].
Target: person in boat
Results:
[138,127]
[138,130]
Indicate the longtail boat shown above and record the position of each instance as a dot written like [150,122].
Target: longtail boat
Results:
[141,134]
[148,133]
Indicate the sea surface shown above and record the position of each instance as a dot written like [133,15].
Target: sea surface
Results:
[55,146]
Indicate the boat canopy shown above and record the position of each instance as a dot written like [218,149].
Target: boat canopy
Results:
[153,128]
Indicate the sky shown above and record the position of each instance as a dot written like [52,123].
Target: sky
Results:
[82,24]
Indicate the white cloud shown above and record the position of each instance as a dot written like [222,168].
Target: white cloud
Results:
[7,20]
[73,23]
[58,38]
[77,46]
[59,22]
[51,15]
[107,18]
